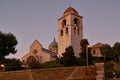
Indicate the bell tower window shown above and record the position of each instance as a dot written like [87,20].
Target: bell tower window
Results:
[61,33]
[76,22]
[66,30]
[64,23]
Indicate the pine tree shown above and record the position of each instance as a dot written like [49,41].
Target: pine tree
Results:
[68,58]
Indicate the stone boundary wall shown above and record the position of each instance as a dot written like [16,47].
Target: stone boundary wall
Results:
[65,73]
[112,79]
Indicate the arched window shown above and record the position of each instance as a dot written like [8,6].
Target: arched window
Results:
[30,60]
[76,22]
[64,23]
[66,30]
[74,29]
[61,33]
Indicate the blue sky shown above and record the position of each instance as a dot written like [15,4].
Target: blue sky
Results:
[37,19]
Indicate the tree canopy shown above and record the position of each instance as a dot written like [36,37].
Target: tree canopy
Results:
[68,58]
[116,49]
[84,43]
[8,44]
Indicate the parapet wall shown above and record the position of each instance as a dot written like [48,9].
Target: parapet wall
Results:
[66,73]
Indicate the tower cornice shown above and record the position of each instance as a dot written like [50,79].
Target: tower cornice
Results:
[70,14]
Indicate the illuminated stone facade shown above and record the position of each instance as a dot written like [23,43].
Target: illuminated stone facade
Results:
[70,31]
[38,53]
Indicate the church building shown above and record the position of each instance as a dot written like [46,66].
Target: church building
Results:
[70,33]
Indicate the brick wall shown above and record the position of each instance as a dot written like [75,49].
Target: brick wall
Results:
[66,73]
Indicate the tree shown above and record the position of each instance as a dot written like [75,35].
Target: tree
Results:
[107,52]
[51,64]
[110,67]
[8,44]
[116,49]
[12,64]
[68,58]
[84,43]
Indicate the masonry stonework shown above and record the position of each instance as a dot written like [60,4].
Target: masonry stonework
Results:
[70,31]
[66,73]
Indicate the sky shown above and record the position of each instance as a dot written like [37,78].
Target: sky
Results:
[29,20]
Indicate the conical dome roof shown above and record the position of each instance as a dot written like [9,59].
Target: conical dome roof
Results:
[53,44]
[70,9]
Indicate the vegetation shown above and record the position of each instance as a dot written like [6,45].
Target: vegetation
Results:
[111,59]
[82,60]
[8,44]
[11,64]
[116,49]
[110,67]
[107,52]
[68,58]
[51,64]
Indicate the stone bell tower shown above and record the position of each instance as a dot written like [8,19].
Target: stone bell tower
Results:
[70,31]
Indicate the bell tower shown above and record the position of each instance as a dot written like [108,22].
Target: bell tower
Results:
[70,31]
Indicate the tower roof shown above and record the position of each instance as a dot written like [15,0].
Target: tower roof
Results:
[69,10]
[53,44]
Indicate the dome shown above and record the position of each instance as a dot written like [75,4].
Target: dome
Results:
[53,44]
[70,9]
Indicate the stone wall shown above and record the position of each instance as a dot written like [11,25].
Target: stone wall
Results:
[66,73]
[112,79]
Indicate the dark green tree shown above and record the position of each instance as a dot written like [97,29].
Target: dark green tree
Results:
[107,52]
[116,49]
[68,58]
[12,64]
[8,44]
[84,46]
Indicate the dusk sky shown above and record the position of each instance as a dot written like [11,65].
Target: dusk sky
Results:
[37,19]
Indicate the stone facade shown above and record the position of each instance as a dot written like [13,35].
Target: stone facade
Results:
[70,31]
[100,71]
[95,50]
[39,53]
[66,73]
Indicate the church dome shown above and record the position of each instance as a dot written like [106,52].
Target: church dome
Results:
[70,9]
[53,44]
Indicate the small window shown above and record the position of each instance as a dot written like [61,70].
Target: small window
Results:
[64,23]
[76,22]
[94,52]
[66,30]
[23,61]
[61,33]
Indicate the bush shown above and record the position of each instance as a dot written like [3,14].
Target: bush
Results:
[12,64]
[51,64]
[111,67]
